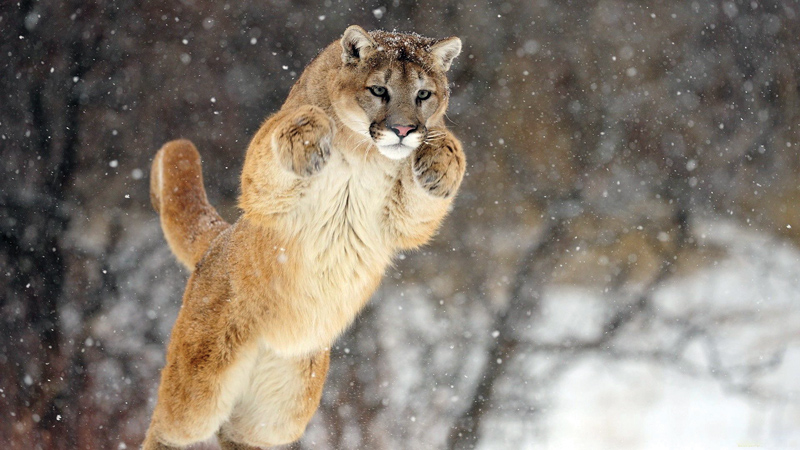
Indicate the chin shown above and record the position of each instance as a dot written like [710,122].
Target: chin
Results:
[396,151]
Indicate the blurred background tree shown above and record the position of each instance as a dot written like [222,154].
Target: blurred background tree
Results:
[629,220]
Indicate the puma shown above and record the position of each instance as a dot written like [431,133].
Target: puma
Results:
[356,166]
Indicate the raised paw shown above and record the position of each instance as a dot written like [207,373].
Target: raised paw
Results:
[303,140]
[439,166]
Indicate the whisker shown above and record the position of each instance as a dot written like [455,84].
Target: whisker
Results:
[433,138]
[449,119]
[366,141]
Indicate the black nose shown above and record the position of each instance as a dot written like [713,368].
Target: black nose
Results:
[403,130]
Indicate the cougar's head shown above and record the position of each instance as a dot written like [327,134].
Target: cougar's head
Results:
[392,86]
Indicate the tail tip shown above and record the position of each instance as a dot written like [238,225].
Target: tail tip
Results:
[156,180]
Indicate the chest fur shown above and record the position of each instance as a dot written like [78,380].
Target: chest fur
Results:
[339,249]
[339,220]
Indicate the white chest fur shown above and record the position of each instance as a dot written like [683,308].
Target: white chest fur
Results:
[341,244]
[339,220]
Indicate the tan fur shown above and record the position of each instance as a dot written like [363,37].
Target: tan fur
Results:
[329,194]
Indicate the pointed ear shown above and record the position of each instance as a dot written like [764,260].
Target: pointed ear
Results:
[356,44]
[446,51]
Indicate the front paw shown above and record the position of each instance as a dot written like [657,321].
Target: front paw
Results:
[439,166]
[303,140]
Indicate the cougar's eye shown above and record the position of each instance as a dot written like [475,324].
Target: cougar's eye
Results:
[423,94]
[377,91]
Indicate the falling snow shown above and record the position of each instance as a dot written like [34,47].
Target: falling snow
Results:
[620,268]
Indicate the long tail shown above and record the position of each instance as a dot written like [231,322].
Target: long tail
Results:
[189,222]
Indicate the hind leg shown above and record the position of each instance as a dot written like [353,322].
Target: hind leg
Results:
[209,360]
[191,409]
[282,397]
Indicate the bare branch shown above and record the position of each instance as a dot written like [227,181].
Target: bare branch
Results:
[464,431]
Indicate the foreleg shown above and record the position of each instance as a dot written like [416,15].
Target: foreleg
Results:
[426,189]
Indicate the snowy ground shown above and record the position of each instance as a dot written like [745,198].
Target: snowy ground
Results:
[717,367]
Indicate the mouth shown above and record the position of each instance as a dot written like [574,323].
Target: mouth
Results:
[396,147]
[395,151]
